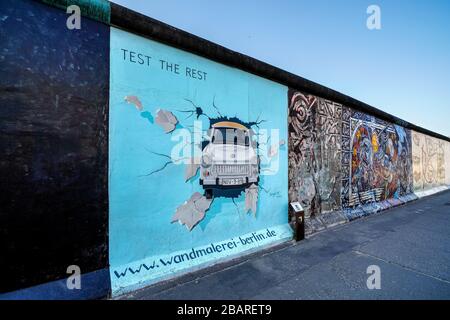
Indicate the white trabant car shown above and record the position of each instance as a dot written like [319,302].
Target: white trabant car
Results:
[230,159]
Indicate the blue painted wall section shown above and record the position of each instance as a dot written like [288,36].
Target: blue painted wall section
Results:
[148,178]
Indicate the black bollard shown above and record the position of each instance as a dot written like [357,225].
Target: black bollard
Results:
[297,216]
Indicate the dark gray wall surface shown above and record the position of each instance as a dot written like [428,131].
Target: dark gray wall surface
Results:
[54,91]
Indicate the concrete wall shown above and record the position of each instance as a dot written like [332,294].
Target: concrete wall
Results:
[430,163]
[54,86]
[447,163]
[344,163]
[315,153]
[161,224]
[108,150]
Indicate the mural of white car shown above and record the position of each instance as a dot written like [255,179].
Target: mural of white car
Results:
[230,159]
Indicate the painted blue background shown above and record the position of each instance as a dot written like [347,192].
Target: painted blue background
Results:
[141,207]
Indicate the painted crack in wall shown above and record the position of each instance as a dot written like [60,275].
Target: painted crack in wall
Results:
[192,211]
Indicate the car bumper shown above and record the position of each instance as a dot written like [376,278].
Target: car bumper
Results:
[228,181]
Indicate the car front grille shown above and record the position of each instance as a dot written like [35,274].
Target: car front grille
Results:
[235,169]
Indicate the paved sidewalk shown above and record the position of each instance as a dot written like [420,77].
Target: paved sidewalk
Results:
[410,244]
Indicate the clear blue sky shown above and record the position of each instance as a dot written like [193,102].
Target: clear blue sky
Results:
[404,68]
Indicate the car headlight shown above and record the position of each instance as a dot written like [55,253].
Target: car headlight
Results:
[206,161]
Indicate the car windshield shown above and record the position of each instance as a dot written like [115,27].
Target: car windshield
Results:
[231,136]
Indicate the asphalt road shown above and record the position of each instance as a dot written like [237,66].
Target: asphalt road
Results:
[410,244]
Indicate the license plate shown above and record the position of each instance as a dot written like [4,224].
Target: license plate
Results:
[232,181]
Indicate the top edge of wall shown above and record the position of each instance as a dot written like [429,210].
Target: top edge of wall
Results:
[99,10]
[127,19]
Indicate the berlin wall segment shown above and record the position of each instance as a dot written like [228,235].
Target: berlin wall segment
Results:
[183,154]
[197,162]
[54,107]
